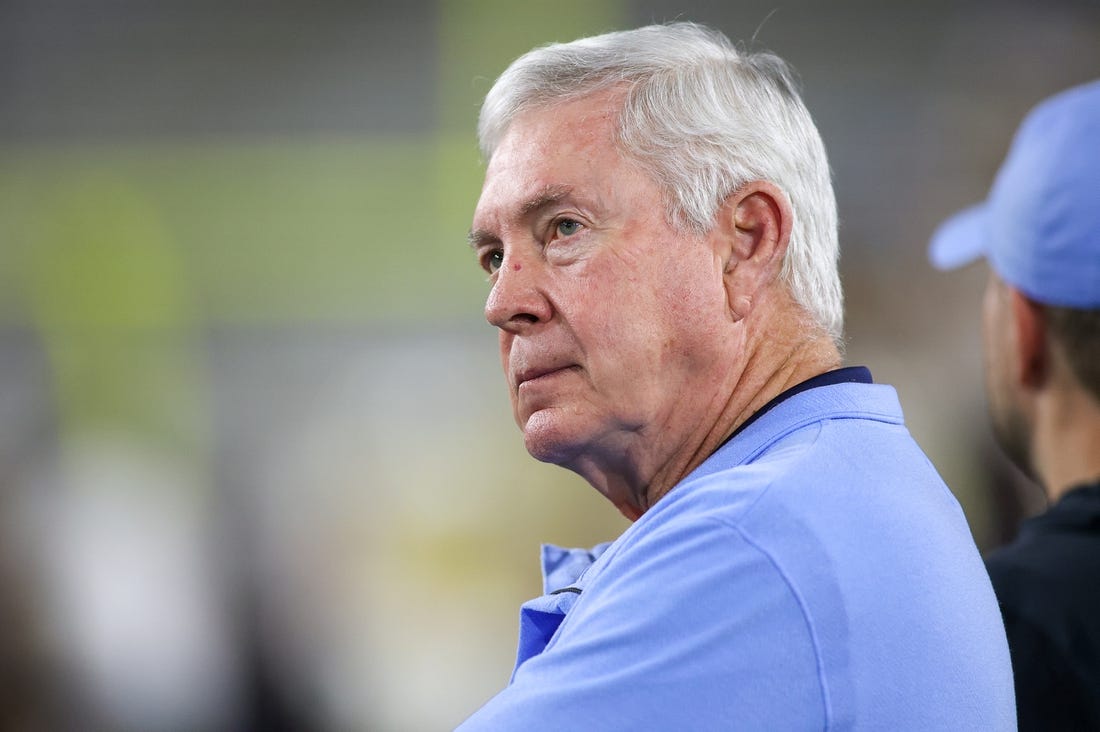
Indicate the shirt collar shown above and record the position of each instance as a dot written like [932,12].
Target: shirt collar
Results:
[562,567]
[842,399]
[847,375]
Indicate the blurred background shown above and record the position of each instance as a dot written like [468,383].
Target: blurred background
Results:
[257,465]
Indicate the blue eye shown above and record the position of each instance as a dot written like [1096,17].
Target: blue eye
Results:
[493,261]
[568,227]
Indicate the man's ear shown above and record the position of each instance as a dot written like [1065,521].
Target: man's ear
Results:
[1029,321]
[756,225]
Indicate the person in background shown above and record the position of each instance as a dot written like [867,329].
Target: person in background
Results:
[1039,231]
[658,227]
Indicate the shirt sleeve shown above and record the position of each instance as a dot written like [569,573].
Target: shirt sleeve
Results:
[692,627]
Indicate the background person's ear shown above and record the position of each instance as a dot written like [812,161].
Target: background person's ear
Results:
[1032,354]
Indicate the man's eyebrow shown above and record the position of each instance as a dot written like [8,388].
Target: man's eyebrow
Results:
[544,198]
[548,196]
[478,238]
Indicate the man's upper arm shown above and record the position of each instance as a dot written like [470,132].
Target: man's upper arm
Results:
[693,627]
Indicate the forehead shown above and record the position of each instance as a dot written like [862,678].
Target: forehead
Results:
[569,145]
[583,122]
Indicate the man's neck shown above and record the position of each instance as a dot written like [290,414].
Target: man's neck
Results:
[770,363]
[1067,440]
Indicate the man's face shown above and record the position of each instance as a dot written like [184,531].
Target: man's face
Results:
[1001,366]
[609,317]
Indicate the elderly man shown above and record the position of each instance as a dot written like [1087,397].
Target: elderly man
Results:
[659,229]
[1040,232]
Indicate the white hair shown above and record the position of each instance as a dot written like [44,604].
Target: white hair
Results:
[703,119]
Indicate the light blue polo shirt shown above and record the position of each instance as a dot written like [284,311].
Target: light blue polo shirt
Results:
[814,573]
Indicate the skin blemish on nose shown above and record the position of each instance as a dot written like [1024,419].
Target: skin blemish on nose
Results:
[517,266]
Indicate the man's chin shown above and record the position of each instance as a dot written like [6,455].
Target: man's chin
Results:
[548,439]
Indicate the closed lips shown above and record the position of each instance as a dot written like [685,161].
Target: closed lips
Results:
[532,374]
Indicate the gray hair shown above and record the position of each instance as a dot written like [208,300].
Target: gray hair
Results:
[703,119]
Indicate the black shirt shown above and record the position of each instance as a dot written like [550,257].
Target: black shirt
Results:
[1048,584]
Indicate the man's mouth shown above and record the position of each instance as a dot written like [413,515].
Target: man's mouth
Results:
[534,374]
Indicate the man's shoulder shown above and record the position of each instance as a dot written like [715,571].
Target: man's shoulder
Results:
[1045,569]
[1047,582]
[841,430]
[803,454]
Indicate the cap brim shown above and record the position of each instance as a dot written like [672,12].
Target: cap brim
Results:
[961,239]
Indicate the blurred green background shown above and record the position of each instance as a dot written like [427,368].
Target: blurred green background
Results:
[257,465]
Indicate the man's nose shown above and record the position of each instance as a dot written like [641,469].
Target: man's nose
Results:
[517,300]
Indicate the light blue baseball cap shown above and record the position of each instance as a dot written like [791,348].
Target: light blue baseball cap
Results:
[1040,226]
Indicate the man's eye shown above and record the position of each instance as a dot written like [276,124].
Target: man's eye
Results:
[493,260]
[568,227]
